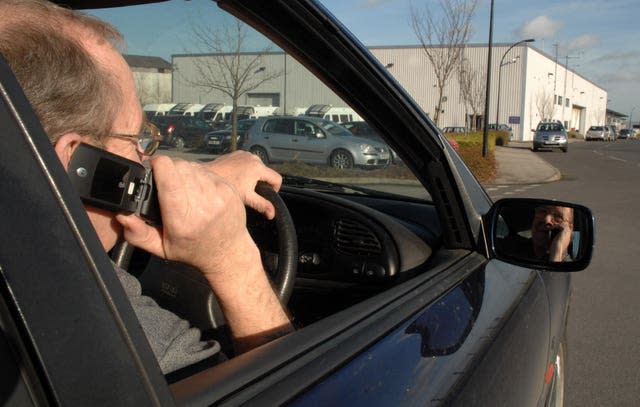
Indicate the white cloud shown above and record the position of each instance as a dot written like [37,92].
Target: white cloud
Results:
[372,3]
[583,42]
[541,27]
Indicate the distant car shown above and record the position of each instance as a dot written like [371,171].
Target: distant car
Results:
[313,140]
[597,133]
[219,141]
[626,134]
[550,135]
[364,129]
[188,131]
[455,129]
[166,125]
[502,127]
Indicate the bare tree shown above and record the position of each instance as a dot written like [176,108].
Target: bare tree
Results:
[544,103]
[443,38]
[230,69]
[472,90]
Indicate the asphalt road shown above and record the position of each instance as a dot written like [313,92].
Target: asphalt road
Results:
[604,319]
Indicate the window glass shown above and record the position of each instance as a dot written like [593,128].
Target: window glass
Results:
[198,75]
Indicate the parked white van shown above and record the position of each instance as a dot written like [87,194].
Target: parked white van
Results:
[335,114]
[194,109]
[260,111]
[209,111]
[158,109]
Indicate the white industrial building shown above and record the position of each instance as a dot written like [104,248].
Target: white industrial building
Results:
[533,86]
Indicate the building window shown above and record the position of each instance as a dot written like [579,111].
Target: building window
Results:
[566,102]
[560,100]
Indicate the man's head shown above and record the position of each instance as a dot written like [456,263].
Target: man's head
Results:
[547,220]
[79,85]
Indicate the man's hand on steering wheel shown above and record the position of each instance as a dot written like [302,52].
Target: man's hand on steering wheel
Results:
[245,180]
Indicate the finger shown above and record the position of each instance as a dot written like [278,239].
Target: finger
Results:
[142,235]
[261,205]
[272,178]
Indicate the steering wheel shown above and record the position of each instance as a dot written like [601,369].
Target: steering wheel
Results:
[287,258]
[183,290]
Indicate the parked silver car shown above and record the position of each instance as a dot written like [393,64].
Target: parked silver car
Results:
[550,135]
[601,133]
[313,140]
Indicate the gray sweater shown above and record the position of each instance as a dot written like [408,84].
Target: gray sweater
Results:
[172,340]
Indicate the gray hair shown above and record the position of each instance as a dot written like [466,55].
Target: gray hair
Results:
[69,91]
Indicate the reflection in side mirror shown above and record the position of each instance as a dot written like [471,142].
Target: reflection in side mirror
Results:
[543,234]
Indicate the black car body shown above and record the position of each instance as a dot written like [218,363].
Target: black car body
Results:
[625,134]
[187,131]
[399,300]
[219,141]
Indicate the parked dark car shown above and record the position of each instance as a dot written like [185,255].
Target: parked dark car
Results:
[455,129]
[219,141]
[406,291]
[189,131]
[166,125]
[502,127]
[626,134]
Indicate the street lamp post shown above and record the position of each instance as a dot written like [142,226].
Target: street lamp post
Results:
[485,127]
[630,113]
[502,63]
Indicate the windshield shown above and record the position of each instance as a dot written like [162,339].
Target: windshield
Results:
[550,127]
[192,60]
[335,129]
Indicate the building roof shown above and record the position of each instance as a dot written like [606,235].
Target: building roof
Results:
[615,114]
[141,61]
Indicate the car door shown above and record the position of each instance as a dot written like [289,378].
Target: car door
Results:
[465,319]
[68,334]
[311,148]
[276,135]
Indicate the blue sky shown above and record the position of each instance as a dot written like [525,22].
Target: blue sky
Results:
[603,36]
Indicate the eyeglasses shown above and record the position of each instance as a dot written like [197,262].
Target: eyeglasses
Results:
[543,211]
[148,139]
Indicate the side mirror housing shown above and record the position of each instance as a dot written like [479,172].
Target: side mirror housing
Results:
[541,234]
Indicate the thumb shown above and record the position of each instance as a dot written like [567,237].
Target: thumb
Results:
[141,235]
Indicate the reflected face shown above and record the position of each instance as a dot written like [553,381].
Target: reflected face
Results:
[547,219]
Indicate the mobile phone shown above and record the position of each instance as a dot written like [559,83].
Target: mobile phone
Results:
[112,182]
[553,233]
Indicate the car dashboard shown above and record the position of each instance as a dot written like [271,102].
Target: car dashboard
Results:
[350,247]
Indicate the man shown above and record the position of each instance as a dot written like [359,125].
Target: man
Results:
[551,235]
[83,92]
[551,232]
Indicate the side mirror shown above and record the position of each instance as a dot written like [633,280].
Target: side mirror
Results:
[542,234]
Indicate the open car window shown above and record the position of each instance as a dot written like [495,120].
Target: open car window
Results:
[190,51]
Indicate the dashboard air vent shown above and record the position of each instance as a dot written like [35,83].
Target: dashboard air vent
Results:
[351,237]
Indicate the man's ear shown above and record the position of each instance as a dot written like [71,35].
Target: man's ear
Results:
[65,146]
